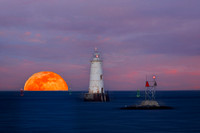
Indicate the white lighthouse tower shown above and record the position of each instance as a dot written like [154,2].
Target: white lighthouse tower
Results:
[96,84]
[96,74]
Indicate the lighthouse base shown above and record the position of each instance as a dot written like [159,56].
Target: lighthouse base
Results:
[96,97]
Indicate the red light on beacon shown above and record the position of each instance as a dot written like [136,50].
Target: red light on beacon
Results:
[154,77]
[97,56]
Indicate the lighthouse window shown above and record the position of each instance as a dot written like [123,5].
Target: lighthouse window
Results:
[101,77]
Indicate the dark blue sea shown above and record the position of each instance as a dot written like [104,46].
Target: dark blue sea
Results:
[65,112]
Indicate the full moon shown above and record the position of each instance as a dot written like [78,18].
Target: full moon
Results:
[45,81]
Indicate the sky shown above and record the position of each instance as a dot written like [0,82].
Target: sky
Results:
[137,38]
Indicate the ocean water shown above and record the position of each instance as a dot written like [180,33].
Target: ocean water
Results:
[62,112]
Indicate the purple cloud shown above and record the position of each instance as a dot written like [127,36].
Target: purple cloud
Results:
[135,37]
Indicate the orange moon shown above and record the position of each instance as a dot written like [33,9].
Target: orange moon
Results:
[45,81]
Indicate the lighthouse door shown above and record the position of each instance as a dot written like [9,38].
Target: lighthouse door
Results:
[101,76]
[101,90]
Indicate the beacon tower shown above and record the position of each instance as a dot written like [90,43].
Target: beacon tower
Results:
[96,84]
[150,93]
[149,102]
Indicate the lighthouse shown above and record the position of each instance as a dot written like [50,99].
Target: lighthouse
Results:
[96,83]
